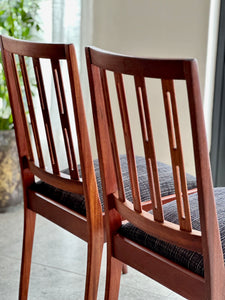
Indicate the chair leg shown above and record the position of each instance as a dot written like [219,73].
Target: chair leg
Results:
[114,270]
[95,249]
[28,236]
[124,269]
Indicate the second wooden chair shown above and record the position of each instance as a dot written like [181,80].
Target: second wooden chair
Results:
[177,244]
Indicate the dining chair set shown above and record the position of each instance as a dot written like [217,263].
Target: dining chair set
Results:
[153,216]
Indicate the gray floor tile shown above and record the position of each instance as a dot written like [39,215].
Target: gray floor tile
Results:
[54,246]
[9,278]
[134,280]
[49,283]
[11,232]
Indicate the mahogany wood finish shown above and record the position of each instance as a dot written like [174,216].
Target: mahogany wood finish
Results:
[15,54]
[122,250]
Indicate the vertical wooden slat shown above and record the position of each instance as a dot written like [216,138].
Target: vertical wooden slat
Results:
[112,134]
[31,111]
[21,105]
[64,118]
[176,155]
[128,142]
[46,117]
[148,141]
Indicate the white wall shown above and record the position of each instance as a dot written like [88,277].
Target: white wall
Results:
[162,28]
[155,28]
[211,64]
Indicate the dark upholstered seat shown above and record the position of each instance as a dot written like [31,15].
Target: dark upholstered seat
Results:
[188,259]
[77,203]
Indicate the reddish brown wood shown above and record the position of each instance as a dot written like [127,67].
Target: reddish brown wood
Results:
[32,112]
[28,237]
[147,205]
[182,281]
[128,142]
[114,267]
[63,112]
[45,114]
[120,249]
[166,231]
[149,149]
[89,227]
[103,88]
[176,155]
[210,234]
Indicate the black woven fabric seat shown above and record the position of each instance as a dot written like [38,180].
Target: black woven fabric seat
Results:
[77,203]
[188,259]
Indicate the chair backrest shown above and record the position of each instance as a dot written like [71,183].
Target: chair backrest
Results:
[170,73]
[36,74]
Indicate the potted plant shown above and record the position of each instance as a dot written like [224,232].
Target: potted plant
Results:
[18,18]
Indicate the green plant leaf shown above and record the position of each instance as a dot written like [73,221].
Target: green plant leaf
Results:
[18,18]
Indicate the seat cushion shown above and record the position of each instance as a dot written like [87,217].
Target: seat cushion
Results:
[186,258]
[165,179]
[77,203]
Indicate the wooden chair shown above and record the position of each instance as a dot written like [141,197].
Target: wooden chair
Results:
[177,244]
[65,198]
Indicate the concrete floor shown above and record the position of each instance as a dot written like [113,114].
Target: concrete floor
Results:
[58,265]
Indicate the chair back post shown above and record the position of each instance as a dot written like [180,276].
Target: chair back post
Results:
[107,169]
[93,206]
[20,125]
[211,243]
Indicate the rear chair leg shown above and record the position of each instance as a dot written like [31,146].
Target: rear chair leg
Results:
[95,249]
[124,269]
[114,270]
[28,236]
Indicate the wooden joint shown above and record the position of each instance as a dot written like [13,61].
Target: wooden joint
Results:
[24,162]
[111,201]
